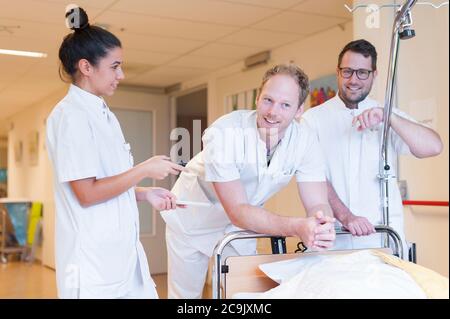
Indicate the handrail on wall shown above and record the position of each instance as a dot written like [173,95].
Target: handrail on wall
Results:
[425,203]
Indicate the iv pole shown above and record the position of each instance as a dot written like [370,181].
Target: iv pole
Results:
[401,31]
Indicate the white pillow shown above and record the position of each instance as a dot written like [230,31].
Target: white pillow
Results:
[284,270]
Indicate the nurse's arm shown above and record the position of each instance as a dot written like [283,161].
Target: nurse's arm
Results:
[314,196]
[341,212]
[234,200]
[357,225]
[421,140]
[159,198]
[90,191]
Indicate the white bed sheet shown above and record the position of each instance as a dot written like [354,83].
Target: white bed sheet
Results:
[358,275]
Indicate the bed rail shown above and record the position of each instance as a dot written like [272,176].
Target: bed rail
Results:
[219,268]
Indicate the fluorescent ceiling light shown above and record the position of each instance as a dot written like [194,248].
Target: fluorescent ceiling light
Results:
[24,53]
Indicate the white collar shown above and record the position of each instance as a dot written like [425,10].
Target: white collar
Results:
[91,102]
[362,106]
[261,157]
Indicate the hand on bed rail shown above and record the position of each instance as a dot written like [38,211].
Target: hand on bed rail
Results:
[317,232]
[358,225]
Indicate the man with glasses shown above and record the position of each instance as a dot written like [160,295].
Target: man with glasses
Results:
[348,127]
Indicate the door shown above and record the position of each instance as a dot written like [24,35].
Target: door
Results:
[144,130]
[191,115]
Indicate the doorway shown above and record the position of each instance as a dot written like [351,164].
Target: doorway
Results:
[146,128]
[191,117]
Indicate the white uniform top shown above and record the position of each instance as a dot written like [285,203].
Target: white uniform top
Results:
[353,157]
[233,150]
[97,247]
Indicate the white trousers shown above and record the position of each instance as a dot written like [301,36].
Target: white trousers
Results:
[141,289]
[187,266]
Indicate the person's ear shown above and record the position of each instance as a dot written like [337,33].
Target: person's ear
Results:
[300,111]
[84,67]
[375,74]
[257,98]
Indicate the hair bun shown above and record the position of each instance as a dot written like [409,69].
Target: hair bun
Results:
[77,19]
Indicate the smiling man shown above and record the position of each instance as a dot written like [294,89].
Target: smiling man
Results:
[248,156]
[348,128]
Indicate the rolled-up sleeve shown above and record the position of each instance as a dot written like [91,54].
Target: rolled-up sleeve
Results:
[398,143]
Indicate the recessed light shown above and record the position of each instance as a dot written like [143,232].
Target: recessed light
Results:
[24,53]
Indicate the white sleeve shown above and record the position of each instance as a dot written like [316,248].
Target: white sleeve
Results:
[76,154]
[312,166]
[219,155]
[399,145]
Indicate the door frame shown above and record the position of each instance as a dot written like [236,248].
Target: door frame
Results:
[173,110]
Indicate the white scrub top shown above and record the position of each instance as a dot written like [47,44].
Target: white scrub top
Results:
[97,247]
[353,157]
[233,150]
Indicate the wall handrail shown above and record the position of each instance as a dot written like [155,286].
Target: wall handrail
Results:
[425,203]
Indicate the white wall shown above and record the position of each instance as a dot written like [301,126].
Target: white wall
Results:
[422,88]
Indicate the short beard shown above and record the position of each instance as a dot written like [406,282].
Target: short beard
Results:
[353,103]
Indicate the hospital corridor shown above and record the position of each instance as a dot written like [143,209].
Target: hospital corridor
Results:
[224,149]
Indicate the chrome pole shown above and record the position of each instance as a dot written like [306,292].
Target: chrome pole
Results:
[401,30]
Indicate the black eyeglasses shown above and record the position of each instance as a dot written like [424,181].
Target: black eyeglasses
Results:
[361,74]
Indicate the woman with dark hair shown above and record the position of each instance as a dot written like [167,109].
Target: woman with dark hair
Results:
[98,252]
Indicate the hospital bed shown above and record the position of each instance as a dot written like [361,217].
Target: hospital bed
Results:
[236,274]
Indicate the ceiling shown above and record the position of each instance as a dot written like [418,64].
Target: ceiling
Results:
[165,41]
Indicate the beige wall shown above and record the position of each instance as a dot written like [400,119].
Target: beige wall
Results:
[423,91]
[33,182]
[317,55]
[3,157]
[422,88]
[3,151]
